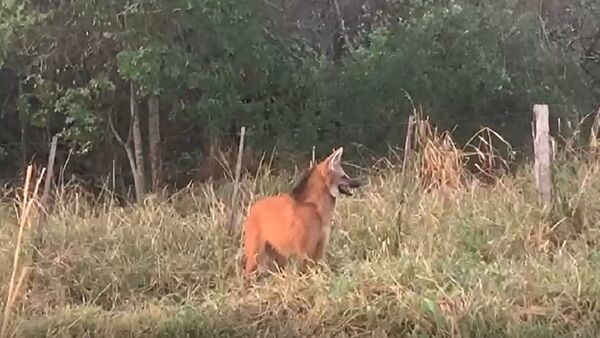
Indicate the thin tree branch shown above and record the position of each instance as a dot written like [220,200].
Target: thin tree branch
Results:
[343,26]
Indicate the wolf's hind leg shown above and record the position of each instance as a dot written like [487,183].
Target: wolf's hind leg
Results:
[277,258]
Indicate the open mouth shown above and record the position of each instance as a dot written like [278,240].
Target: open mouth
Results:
[346,184]
[344,188]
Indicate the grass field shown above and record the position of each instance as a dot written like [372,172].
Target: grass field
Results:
[472,262]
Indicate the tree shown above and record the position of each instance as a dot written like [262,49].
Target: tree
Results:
[176,76]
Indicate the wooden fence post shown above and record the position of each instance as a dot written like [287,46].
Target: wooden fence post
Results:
[542,151]
[408,146]
[238,171]
[41,221]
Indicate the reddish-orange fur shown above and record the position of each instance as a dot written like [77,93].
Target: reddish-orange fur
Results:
[297,223]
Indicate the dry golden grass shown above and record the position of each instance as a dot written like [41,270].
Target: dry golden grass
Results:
[15,283]
[440,162]
[442,165]
[403,261]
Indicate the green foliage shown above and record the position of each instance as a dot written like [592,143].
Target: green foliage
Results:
[218,64]
[467,63]
[77,105]
[12,18]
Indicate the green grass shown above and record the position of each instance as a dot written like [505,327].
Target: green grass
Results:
[480,262]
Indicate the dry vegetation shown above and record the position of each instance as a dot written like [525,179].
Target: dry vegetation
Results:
[467,260]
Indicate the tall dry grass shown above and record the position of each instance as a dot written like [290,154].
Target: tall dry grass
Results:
[404,261]
[18,267]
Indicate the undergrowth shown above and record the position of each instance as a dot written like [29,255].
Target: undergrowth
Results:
[481,260]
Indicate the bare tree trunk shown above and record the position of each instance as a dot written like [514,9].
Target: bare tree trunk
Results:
[135,155]
[154,141]
[137,142]
[137,182]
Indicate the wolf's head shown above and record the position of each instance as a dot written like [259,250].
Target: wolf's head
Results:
[335,177]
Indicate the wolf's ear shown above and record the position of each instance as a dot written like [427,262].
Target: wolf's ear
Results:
[335,159]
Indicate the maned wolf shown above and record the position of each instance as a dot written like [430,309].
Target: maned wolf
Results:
[297,223]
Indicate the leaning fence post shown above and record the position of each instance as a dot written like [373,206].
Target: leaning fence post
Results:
[238,169]
[408,146]
[41,221]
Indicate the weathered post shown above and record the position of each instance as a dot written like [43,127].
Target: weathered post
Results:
[238,171]
[408,146]
[543,153]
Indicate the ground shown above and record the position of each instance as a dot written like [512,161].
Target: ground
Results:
[475,261]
